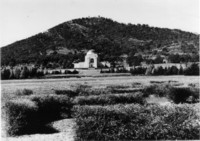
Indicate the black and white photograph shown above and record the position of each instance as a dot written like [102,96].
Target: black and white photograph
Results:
[99,70]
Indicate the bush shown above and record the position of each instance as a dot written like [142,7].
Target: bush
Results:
[136,122]
[81,89]
[52,107]
[21,117]
[184,95]
[56,72]
[138,71]
[24,73]
[160,90]
[5,73]
[68,93]
[176,94]
[24,92]
[110,99]
[192,70]
[75,72]
[30,114]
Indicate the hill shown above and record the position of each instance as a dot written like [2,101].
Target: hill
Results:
[66,43]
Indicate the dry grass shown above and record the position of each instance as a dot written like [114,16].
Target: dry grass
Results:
[47,86]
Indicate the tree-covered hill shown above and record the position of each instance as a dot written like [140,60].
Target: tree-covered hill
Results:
[67,43]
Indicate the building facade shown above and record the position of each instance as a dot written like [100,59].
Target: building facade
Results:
[91,61]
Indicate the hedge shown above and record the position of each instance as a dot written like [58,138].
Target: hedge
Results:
[24,92]
[30,114]
[21,117]
[52,107]
[136,122]
[176,94]
[110,99]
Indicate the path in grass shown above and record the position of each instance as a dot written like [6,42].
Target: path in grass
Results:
[65,129]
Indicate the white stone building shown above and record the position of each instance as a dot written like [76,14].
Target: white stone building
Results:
[91,61]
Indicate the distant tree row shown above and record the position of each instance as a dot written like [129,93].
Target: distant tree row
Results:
[21,73]
[25,73]
[173,70]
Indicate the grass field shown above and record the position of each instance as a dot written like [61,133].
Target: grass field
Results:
[48,86]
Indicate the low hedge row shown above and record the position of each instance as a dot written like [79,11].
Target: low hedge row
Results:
[176,94]
[21,117]
[110,99]
[52,107]
[29,113]
[136,122]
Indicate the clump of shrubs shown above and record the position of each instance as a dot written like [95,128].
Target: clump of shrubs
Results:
[71,72]
[69,93]
[52,107]
[21,117]
[110,99]
[184,95]
[138,71]
[114,70]
[136,122]
[192,69]
[124,88]
[160,90]
[30,114]
[176,94]
[21,73]
[24,92]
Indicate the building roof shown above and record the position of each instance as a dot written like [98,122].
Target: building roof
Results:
[90,52]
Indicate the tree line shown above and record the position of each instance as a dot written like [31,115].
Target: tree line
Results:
[193,69]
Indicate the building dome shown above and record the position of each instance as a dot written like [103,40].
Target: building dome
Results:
[90,52]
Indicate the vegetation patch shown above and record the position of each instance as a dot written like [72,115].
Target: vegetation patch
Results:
[21,117]
[136,122]
[176,94]
[184,95]
[31,114]
[160,90]
[52,107]
[110,99]
[69,93]
[24,92]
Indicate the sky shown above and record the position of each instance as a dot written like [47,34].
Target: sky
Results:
[21,19]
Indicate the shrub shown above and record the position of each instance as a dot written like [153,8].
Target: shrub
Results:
[176,94]
[68,93]
[157,89]
[75,72]
[24,73]
[21,117]
[192,70]
[138,71]
[136,122]
[193,85]
[136,85]
[52,107]
[5,73]
[116,88]
[110,99]
[184,95]
[56,72]
[24,92]
[82,89]
[17,73]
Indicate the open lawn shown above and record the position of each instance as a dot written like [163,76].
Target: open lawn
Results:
[47,86]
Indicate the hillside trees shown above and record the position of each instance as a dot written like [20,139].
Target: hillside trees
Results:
[105,36]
